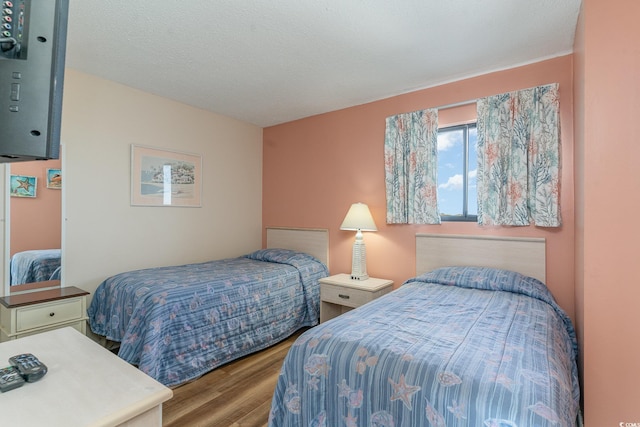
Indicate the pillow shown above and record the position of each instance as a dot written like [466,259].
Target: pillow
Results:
[282,256]
[493,279]
[483,278]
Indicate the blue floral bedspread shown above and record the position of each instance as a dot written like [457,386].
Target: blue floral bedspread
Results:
[177,323]
[34,266]
[459,346]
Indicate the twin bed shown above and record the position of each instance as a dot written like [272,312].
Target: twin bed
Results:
[34,266]
[456,346]
[177,323]
[474,339]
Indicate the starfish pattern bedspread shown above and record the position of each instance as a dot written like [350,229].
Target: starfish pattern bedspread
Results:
[177,323]
[460,346]
[34,266]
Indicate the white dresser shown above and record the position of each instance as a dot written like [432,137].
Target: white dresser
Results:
[86,385]
[34,312]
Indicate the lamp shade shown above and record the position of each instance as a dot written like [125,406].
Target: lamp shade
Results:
[359,218]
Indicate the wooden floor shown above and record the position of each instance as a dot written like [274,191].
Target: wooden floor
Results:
[237,394]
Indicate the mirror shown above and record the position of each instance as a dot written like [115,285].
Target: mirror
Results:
[34,200]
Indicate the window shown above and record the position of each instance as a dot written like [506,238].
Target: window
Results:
[457,169]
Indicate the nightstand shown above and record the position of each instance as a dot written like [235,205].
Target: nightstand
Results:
[340,293]
[34,312]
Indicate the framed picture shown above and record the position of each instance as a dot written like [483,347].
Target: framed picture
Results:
[54,179]
[165,178]
[23,186]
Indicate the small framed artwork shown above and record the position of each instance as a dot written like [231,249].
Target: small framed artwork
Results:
[23,186]
[54,179]
[165,178]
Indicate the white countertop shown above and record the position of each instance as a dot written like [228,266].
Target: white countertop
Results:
[86,385]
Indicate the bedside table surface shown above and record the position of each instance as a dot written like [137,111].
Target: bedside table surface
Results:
[371,284]
[29,298]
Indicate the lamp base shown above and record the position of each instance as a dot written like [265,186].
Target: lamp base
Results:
[359,261]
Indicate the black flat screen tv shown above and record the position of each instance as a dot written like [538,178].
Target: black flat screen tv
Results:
[32,55]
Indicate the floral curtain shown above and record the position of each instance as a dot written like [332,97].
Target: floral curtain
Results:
[411,172]
[519,158]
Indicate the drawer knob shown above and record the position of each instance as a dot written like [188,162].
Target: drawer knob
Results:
[343,296]
[52,314]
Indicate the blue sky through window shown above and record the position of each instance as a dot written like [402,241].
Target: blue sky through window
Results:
[451,170]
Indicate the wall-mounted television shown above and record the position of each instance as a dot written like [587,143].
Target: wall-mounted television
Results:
[33,42]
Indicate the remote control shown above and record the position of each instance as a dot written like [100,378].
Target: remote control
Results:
[10,378]
[29,367]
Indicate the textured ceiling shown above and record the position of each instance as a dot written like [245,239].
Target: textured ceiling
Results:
[272,61]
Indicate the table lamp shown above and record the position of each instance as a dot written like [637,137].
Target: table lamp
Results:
[359,219]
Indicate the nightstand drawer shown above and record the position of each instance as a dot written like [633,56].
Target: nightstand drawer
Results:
[340,293]
[47,314]
[345,296]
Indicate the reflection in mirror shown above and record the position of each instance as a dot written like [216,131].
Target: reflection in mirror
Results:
[35,221]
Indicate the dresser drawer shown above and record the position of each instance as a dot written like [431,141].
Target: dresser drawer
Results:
[345,296]
[78,326]
[48,314]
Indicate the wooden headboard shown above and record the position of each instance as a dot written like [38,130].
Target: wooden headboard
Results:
[313,241]
[524,255]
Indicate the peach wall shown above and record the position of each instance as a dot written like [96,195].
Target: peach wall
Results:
[608,75]
[315,168]
[36,223]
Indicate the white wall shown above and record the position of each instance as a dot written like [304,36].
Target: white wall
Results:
[105,235]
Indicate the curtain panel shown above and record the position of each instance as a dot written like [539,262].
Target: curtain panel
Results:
[519,158]
[411,170]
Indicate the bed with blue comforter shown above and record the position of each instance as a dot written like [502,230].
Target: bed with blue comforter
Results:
[459,346]
[35,266]
[177,323]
